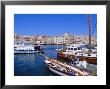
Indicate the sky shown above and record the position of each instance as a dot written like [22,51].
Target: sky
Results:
[54,24]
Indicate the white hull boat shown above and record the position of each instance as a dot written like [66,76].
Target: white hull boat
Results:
[24,49]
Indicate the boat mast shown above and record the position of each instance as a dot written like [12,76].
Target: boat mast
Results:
[73,40]
[89,33]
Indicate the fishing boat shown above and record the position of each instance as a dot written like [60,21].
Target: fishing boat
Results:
[70,50]
[64,69]
[87,54]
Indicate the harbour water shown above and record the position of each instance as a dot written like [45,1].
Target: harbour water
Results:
[33,64]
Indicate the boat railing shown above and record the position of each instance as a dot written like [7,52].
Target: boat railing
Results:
[67,66]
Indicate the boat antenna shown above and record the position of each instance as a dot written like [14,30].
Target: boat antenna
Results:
[89,30]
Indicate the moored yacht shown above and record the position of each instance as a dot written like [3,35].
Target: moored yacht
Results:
[24,49]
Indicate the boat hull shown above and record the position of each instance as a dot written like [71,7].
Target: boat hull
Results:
[57,72]
[23,52]
[91,60]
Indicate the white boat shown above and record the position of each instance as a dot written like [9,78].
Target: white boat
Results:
[57,72]
[64,69]
[80,51]
[74,48]
[24,49]
[71,50]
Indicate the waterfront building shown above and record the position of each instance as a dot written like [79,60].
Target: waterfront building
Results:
[41,39]
[50,40]
[69,38]
[64,39]
[84,39]
[16,37]
[59,40]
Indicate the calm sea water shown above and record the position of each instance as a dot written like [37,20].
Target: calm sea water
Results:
[33,64]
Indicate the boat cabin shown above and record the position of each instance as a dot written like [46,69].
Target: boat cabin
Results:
[73,48]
